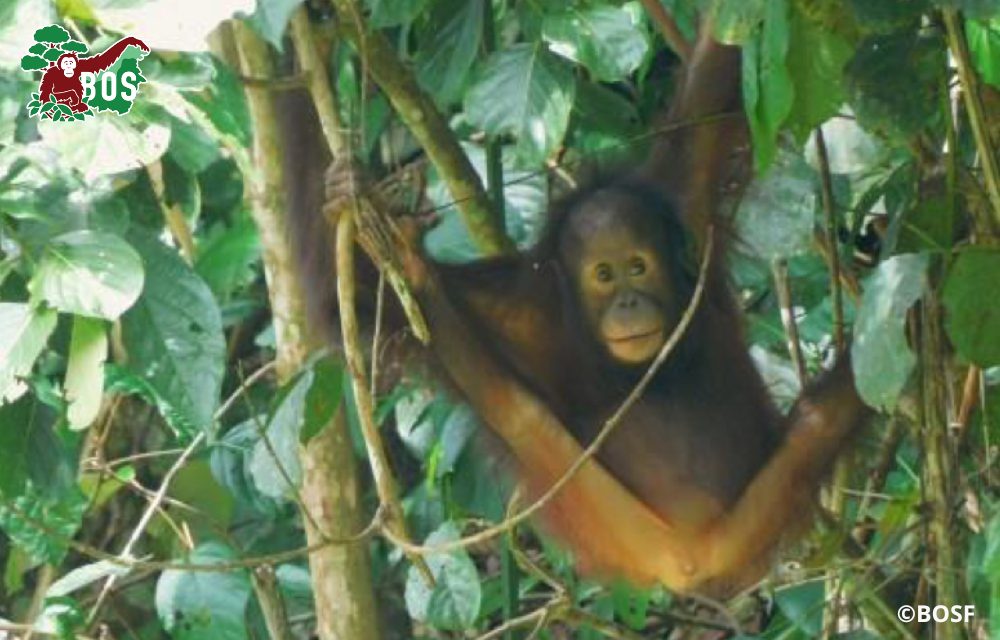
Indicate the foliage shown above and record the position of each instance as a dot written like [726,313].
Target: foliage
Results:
[133,303]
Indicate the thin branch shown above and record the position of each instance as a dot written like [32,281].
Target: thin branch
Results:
[779,268]
[174,217]
[324,98]
[830,215]
[146,518]
[385,483]
[418,111]
[668,29]
[970,398]
[272,604]
[974,106]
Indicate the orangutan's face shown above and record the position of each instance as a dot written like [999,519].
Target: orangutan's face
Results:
[68,66]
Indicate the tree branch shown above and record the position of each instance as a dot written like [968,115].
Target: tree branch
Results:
[431,130]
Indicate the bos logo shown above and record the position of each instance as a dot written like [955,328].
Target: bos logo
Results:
[75,85]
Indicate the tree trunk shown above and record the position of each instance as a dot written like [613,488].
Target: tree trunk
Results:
[341,573]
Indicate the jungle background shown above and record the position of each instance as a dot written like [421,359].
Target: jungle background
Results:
[182,459]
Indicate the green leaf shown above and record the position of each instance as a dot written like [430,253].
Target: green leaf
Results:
[324,396]
[816,59]
[526,92]
[105,145]
[602,120]
[777,214]
[453,602]
[925,227]
[225,104]
[198,604]
[226,259]
[768,91]
[42,525]
[984,47]
[803,606]
[894,83]
[881,357]
[88,349]
[971,291]
[173,334]
[306,405]
[191,146]
[84,576]
[274,462]
[271,19]
[24,332]
[89,273]
[393,13]
[230,464]
[449,45]
[735,21]
[884,16]
[119,380]
[16,423]
[604,39]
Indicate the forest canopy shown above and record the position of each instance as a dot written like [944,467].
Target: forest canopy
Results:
[187,455]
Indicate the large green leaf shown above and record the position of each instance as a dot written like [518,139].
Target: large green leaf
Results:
[24,331]
[195,605]
[88,349]
[173,334]
[605,39]
[523,91]
[230,464]
[881,357]
[444,59]
[894,83]
[89,273]
[453,602]
[226,258]
[305,405]
[768,91]
[984,47]
[274,462]
[105,144]
[602,120]
[970,298]
[777,214]
[816,59]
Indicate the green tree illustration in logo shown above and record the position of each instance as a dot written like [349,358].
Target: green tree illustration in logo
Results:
[73,87]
